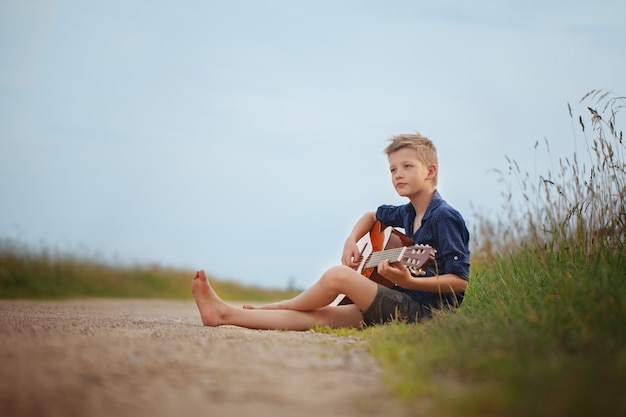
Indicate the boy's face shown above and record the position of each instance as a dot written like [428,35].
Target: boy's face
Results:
[408,174]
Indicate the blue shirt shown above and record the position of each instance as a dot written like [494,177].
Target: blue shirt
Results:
[444,229]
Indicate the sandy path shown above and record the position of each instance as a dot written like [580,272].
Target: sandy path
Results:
[135,358]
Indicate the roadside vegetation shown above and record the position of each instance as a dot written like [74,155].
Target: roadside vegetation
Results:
[542,330]
[44,273]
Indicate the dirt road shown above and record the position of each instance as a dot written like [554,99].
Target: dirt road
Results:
[154,358]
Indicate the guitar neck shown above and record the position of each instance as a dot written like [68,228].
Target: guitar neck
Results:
[393,255]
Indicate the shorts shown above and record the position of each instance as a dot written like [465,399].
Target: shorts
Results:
[390,304]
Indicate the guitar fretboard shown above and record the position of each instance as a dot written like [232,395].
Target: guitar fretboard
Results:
[394,255]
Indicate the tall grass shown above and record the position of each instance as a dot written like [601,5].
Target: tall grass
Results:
[542,330]
[581,203]
[47,273]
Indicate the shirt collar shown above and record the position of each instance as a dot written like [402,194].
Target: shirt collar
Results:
[434,203]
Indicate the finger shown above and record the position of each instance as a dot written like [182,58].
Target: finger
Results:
[383,266]
[400,266]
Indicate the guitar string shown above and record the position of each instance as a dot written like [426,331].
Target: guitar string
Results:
[376,257]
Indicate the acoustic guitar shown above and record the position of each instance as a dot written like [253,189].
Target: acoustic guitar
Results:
[385,242]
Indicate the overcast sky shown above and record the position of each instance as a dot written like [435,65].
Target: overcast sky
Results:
[246,137]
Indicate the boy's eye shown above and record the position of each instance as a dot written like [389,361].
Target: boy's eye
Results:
[408,166]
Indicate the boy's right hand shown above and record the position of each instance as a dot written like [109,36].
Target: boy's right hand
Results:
[351,255]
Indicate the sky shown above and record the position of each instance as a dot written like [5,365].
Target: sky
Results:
[246,137]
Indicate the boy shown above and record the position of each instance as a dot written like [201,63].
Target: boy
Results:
[426,218]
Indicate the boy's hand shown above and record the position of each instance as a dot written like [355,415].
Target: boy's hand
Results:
[351,255]
[395,272]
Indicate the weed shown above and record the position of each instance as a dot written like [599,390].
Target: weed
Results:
[51,274]
[541,331]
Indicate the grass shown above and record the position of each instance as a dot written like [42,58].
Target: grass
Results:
[529,341]
[50,274]
[541,331]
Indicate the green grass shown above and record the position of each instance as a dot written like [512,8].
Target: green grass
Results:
[542,330]
[48,274]
[535,337]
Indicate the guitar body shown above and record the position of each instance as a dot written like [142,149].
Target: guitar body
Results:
[380,238]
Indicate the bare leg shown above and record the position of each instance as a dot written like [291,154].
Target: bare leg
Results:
[215,312]
[271,306]
[335,281]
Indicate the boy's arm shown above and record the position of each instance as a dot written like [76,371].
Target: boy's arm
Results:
[400,275]
[351,255]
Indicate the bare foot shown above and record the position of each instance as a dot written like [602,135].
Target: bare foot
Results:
[212,308]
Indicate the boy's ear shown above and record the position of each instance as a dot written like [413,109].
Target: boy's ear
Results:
[432,171]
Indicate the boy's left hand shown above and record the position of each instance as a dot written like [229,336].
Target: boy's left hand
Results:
[395,272]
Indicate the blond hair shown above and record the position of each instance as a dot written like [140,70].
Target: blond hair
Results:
[425,148]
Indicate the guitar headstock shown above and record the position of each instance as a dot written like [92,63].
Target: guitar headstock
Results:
[417,257]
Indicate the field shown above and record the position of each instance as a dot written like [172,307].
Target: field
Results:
[541,331]
[46,274]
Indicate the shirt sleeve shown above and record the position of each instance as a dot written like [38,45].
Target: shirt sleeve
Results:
[391,215]
[453,244]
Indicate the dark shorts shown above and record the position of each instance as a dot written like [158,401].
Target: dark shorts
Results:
[390,304]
